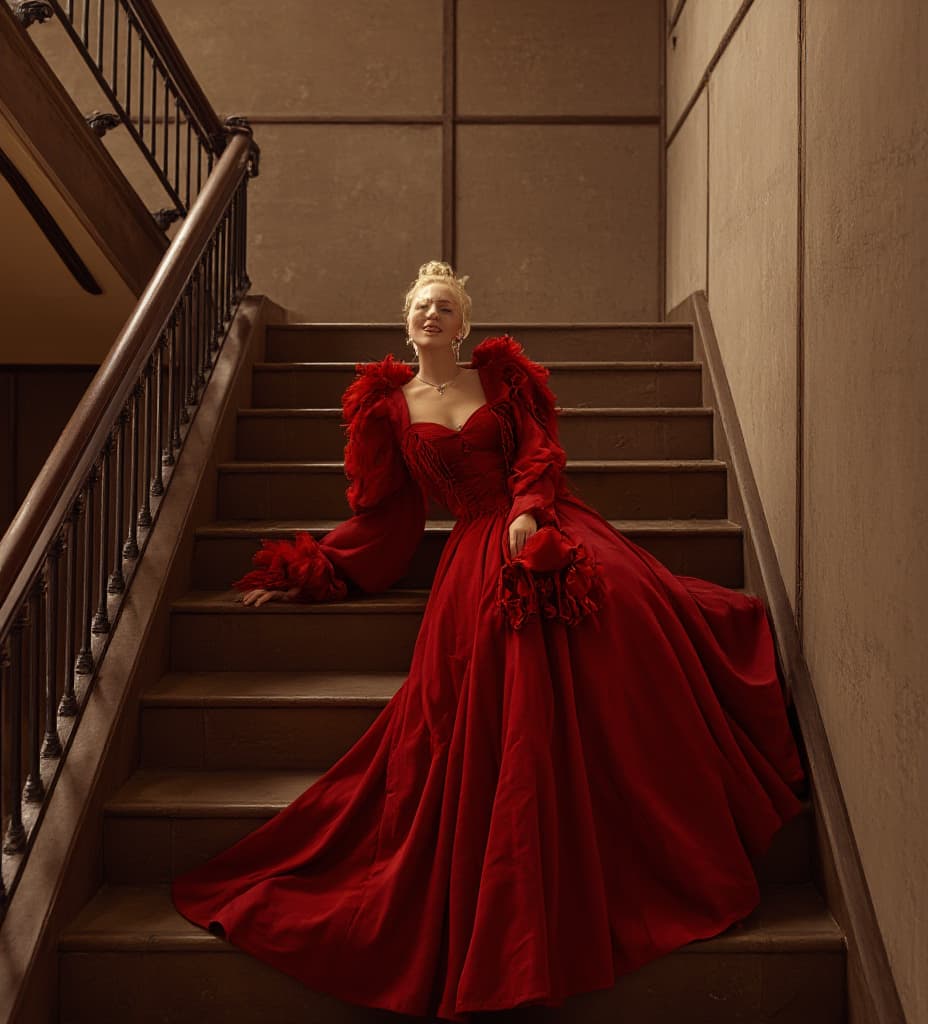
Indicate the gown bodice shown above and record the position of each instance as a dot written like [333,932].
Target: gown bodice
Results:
[465,470]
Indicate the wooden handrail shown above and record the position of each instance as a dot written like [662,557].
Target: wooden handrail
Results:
[47,505]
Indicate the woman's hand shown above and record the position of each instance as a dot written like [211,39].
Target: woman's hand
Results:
[260,597]
[520,529]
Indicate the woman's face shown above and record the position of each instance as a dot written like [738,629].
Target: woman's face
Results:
[435,317]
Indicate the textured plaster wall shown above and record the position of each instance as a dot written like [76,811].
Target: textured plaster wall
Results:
[688,205]
[865,528]
[858,344]
[553,221]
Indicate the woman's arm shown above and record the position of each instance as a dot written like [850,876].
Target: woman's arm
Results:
[373,548]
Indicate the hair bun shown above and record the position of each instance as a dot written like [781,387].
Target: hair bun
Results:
[438,268]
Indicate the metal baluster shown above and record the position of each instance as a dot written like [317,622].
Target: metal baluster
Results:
[176,181]
[154,107]
[142,49]
[101,621]
[202,326]
[213,318]
[222,281]
[167,452]
[85,23]
[117,583]
[199,164]
[131,548]
[246,280]
[187,192]
[185,349]
[15,839]
[51,745]
[165,133]
[68,705]
[144,517]
[157,484]
[34,789]
[116,48]
[101,9]
[128,107]
[192,314]
[85,662]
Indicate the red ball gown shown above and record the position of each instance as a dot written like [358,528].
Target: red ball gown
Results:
[576,774]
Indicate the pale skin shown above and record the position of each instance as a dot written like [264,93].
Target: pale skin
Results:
[434,320]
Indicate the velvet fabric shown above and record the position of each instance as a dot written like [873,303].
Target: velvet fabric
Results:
[576,774]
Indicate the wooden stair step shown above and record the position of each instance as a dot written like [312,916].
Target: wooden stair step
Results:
[640,433]
[582,383]
[366,342]
[163,822]
[788,953]
[709,548]
[213,630]
[261,719]
[616,488]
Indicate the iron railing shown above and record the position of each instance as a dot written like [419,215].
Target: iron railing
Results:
[70,554]
[149,85]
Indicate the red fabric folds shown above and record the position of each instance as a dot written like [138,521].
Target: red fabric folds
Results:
[551,577]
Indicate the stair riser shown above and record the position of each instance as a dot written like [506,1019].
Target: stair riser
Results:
[218,561]
[145,850]
[317,388]
[229,987]
[215,738]
[657,436]
[645,493]
[346,640]
[303,344]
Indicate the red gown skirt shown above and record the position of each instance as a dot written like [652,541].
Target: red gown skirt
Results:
[538,810]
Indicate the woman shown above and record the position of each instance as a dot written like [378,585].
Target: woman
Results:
[588,751]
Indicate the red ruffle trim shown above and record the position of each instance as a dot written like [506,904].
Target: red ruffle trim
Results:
[550,577]
[301,563]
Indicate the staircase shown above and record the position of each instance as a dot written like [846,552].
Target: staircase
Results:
[226,742]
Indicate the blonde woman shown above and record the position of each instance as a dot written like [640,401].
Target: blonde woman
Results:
[588,751]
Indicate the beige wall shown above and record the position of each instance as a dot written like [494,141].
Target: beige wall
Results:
[551,220]
[827,349]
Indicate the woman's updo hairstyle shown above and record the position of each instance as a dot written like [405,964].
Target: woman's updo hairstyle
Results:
[438,272]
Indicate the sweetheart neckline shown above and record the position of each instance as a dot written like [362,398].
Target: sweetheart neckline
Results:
[444,426]
[431,423]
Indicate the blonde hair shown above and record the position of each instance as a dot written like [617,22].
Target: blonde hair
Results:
[438,272]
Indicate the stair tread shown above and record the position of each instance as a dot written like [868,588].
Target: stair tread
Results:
[636,365]
[615,465]
[184,793]
[226,601]
[257,793]
[269,688]
[790,918]
[548,325]
[249,528]
[571,410]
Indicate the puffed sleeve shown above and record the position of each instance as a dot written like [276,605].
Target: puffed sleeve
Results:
[373,548]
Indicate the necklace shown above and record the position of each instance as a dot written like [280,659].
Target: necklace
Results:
[440,388]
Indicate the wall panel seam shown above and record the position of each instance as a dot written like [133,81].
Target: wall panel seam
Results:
[703,82]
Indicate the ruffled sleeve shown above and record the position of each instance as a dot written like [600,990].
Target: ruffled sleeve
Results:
[553,577]
[372,549]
